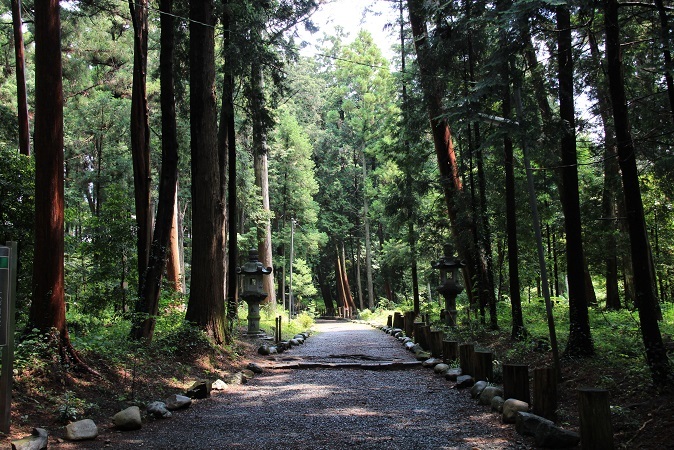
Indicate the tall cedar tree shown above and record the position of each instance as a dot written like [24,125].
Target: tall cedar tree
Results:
[48,308]
[580,339]
[207,293]
[140,136]
[444,147]
[148,303]
[645,299]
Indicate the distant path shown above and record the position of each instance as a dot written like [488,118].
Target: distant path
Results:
[333,408]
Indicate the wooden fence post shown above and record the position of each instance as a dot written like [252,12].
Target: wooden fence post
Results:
[516,382]
[436,343]
[466,354]
[409,323]
[545,393]
[596,431]
[419,336]
[484,368]
[450,351]
[389,321]
[398,320]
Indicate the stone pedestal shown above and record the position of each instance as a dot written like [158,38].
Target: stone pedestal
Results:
[254,299]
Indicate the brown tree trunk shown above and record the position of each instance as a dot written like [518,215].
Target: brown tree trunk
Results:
[140,137]
[147,307]
[646,300]
[444,147]
[227,152]
[173,266]
[207,287]
[580,338]
[21,96]
[47,309]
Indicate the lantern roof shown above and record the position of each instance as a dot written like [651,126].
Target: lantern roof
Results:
[253,266]
[448,260]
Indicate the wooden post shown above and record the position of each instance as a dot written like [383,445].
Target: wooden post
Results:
[419,336]
[398,321]
[389,321]
[409,323]
[8,302]
[484,368]
[466,354]
[436,343]
[596,431]
[516,382]
[545,393]
[450,351]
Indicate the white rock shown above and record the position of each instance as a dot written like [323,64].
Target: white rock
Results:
[219,385]
[510,409]
[177,401]
[81,430]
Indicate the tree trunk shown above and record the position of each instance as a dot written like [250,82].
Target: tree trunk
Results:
[207,288]
[48,309]
[21,96]
[667,54]
[359,282]
[368,243]
[147,307]
[611,184]
[580,339]
[260,162]
[227,153]
[348,298]
[173,267]
[656,354]
[444,147]
[140,137]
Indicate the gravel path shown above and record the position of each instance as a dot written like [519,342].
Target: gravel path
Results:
[332,408]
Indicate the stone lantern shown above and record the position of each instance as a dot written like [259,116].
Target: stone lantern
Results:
[449,286]
[253,293]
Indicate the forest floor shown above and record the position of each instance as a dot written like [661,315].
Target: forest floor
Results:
[49,396]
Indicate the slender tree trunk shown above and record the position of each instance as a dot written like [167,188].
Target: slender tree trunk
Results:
[21,96]
[260,162]
[646,301]
[148,304]
[368,243]
[173,267]
[227,152]
[580,338]
[359,282]
[347,287]
[207,288]
[140,137]
[667,54]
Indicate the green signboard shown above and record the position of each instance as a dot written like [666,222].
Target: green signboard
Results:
[4,294]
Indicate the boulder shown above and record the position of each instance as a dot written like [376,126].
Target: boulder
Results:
[36,441]
[477,388]
[264,350]
[128,419]
[407,339]
[488,394]
[510,409]
[497,404]
[199,389]
[177,401]
[545,432]
[441,368]
[294,342]
[219,385]
[452,374]
[248,374]
[254,368]
[158,410]
[409,345]
[236,378]
[464,381]
[431,362]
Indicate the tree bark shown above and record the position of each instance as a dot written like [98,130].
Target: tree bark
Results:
[173,266]
[260,162]
[140,137]
[207,288]
[645,298]
[21,96]
[444,147]
[47,309]
[580,338]
[368,243]
[147,307]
